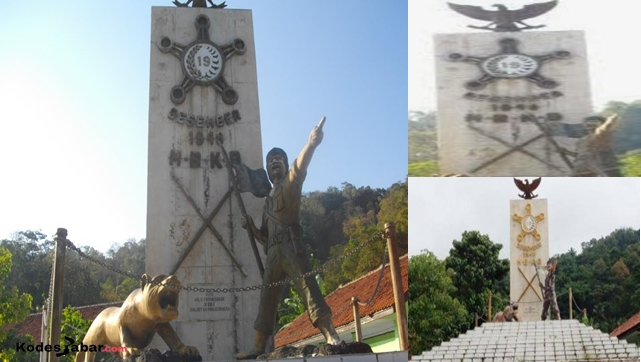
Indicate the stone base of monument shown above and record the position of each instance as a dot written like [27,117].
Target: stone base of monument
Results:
[154,355]
[313,351]
[345,352]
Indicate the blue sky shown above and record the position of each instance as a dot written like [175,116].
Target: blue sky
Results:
[74,98]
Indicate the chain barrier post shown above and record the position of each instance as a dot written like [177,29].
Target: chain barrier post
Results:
[44,329]
[489,305]
[285,281]
[58,282]
[570,300]
[397,285]
[357,320]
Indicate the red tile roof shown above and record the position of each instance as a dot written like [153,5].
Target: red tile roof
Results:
[33,323]
[628,325]
[340,301]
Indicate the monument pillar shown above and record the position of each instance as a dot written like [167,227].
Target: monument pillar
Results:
[511,103]
[529,245]
[203,94]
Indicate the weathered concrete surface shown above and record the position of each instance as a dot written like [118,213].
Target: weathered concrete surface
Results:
[524,285]
[464,150]
[218,324]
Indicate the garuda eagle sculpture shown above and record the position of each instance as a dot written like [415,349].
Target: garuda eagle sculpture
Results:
[527,187]
[504,19]
[200,4]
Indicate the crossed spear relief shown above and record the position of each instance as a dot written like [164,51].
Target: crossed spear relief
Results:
[512,148]
[242,179]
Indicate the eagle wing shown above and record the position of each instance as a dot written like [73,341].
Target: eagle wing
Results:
[472,11]
[520,185]
[535,184]
[532,10]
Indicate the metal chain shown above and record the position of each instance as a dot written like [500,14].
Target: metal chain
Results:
[349,305]
[94,260]
[574,300]
[230,290]
[304,331]
[75,328]
[380,277]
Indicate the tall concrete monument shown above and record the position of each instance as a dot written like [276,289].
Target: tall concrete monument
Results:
[510,102]
[203,117]
[529,246]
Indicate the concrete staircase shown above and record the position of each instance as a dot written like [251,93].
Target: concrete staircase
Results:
[565,340]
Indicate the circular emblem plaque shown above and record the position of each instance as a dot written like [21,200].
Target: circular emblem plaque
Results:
[528,224]
[203,62]
[510,65]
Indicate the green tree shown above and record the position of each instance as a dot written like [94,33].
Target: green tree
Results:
[321,217]
[423,169]
[74,326]
[604,279]
[627,133]
[393,208]
[360,226]
[14,307]
[631,163]
[118,293]
[83,278]
[476,267]
[129,257]
[361,230]
[422,143]
[292,306]
[434,315]
[8,348]
[31,258]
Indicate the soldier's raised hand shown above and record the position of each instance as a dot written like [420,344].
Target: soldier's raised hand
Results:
[316,137]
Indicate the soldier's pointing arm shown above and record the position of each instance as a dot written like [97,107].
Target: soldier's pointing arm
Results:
[315,138]
[607,125]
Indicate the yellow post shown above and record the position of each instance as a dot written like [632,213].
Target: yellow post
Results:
[570,303]
[397,286]
[58,282]
[357,320]
[489,306]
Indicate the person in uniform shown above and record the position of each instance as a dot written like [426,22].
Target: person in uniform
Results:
[549,295]
[281,234]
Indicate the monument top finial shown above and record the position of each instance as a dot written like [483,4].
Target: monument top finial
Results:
[527,187]
[199,4]
[504,19]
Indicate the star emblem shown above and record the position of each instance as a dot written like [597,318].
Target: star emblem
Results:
[202,62]
[528,223]
[510,64]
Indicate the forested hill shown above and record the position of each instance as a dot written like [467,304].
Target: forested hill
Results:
[335,222]
[604,279]
[445,295]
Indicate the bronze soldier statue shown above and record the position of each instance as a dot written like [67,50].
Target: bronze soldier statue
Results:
[594,153]
[549,295]
[281,235]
